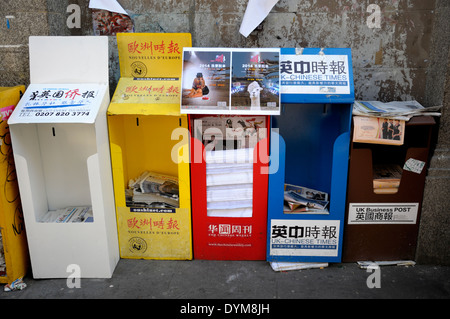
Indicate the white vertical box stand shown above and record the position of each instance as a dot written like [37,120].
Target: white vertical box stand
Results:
[60,142]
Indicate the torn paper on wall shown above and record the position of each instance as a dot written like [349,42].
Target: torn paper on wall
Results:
[109,18]
[256,12]
[108,5]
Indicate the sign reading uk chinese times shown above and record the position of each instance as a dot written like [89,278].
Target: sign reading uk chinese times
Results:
[304,237]
[314,74]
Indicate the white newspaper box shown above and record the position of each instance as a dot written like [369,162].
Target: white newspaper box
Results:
[60,142]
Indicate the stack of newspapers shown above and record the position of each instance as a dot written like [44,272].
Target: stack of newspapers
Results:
[400,110]
[152,189]
[298,199]
[71,214]
[229,182]
[386,178]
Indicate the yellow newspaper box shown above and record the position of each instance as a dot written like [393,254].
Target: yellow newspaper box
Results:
[149,148]
[14,257]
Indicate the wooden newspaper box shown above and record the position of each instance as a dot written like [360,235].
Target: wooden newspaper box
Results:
[383,226]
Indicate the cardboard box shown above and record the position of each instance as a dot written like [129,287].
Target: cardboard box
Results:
[60,140]
[310,148]
[14,247]
[148,134]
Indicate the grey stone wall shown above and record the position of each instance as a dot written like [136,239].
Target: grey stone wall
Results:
[390,62]
[434,235]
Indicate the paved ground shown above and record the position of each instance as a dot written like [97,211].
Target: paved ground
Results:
[199,280]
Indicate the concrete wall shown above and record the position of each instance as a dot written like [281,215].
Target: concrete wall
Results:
[434,236]
[399,49]
[390,60]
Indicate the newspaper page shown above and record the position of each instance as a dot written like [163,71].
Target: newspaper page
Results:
[377,130]
[151,189]
[230,132]
[298,199]
[400,110]
[71,214]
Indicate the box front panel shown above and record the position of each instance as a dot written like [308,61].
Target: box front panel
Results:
[312,152]
[225,228]
[142,151]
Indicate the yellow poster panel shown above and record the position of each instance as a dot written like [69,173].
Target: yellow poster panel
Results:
[144,55]
[13,237]
[155,235]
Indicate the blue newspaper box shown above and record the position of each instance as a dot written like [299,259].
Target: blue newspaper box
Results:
[309,156]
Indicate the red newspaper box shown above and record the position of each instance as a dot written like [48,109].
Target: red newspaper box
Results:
[238,234]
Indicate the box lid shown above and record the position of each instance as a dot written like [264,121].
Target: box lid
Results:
[147,96]
[150,69]
[59,103]
[314,75]
[56,59]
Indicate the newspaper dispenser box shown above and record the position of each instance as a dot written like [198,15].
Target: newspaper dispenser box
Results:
[385,226]
[229,147]
[229,236]
[149,137]
[60,142]
[14,256]
[310,148]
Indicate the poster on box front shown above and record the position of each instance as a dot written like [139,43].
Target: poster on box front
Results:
[230,81]
[255,82]
[206,80]
[304,237]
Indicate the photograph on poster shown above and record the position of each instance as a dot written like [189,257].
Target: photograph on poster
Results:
[255,80]
[378,130]
[206,79]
